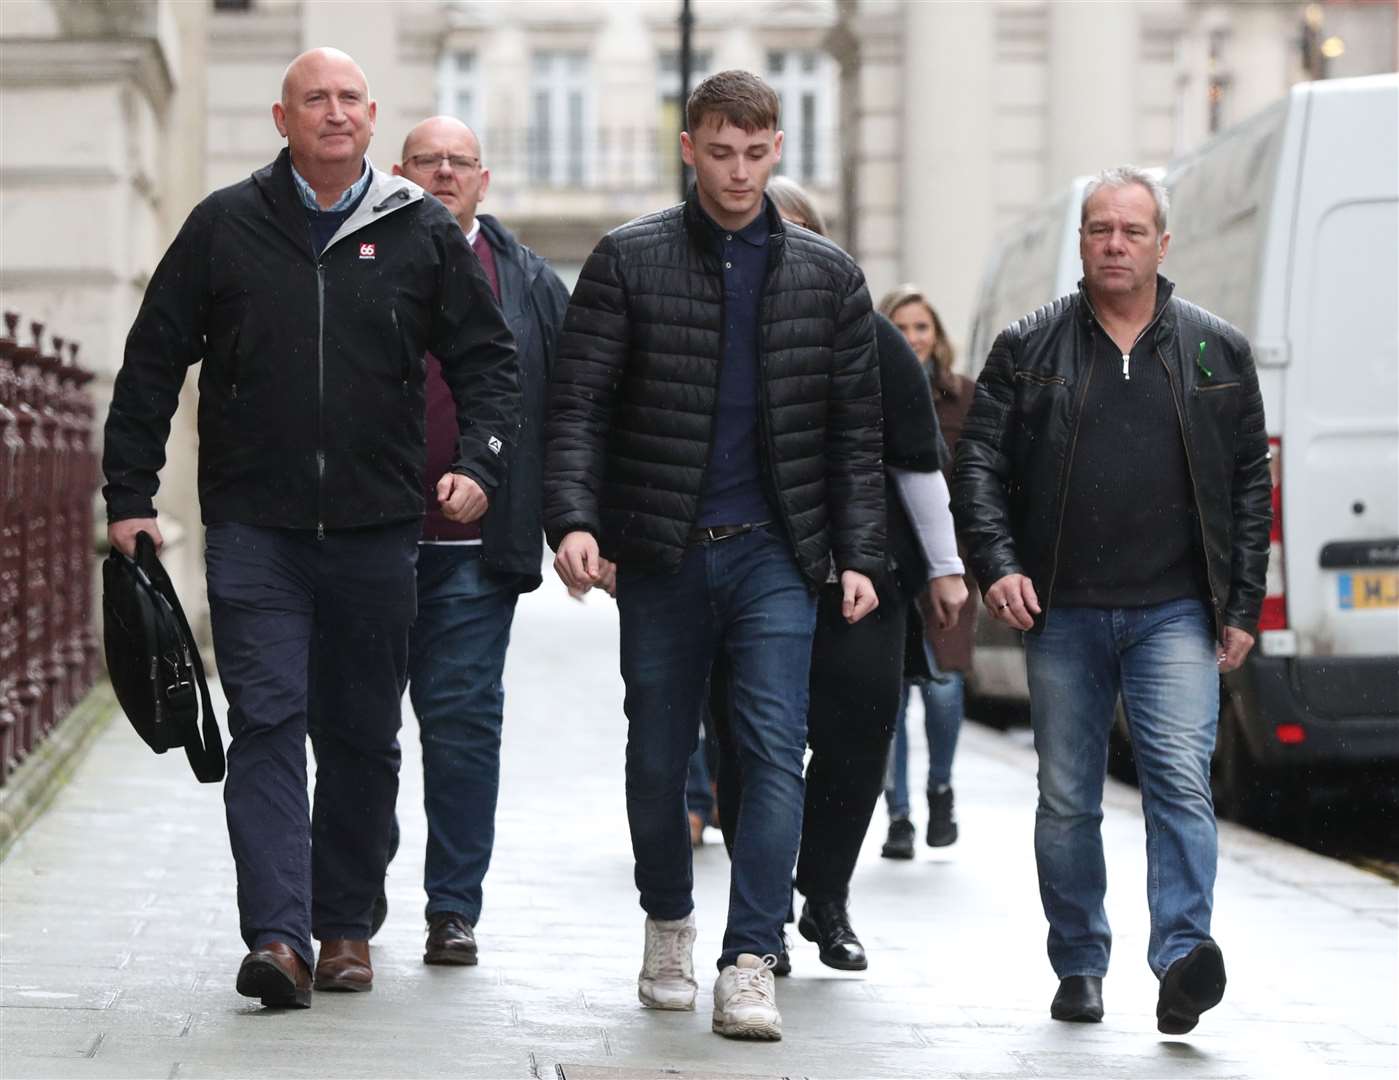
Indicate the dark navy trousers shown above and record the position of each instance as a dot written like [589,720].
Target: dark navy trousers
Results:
[311,635]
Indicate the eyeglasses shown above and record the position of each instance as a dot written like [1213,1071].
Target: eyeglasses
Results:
[458,162]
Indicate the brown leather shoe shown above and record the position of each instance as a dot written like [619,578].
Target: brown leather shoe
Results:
[450,940]
[344,965]
[277,975]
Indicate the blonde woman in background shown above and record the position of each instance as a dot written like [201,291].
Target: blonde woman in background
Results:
[908,308]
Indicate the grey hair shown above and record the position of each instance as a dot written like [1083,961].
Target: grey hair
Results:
[791,200]
[1125,176]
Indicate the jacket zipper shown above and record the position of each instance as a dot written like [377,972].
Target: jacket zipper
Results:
[320,397]
[1177,399]
[1041,380]
[1216,386]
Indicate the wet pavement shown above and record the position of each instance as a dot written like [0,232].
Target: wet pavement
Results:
[119,942]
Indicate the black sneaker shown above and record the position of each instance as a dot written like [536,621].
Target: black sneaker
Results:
[942,819]
[899,843]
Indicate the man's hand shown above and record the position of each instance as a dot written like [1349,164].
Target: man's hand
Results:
[122,536]
[460,498]
[606,581]
[577,561]
[1234,649]
[860,598]
[1012,600]
[946,595]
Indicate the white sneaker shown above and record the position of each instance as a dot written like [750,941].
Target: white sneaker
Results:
[667,979]
[745,999]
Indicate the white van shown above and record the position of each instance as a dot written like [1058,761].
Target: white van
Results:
[1288,226]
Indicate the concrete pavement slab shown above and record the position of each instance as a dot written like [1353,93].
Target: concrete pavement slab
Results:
[118,942]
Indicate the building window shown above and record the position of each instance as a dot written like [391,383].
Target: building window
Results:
[670,117]
[561,117]
[805,81]
[459,88]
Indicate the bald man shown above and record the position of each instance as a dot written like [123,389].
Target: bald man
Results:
[310,292]
[470,574]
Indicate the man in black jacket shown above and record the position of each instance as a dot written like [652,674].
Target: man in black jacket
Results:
[1112,488]
[470,575]
[310,293]
[714,430]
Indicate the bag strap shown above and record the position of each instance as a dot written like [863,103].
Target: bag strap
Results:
[206,760]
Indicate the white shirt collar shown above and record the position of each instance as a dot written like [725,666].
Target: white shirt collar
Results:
[474,231]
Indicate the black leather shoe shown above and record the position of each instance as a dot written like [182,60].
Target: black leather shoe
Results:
[899,843]
[1079,1000]
[828,925]
[784,959]
[942,821]
[450,940]
[1191,985]
[379,913]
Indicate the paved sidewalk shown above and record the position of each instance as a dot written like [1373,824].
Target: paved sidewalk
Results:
[119,942]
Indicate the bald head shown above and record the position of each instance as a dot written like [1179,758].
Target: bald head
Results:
[443,157]
[313,63]
[441,129]
[326,117]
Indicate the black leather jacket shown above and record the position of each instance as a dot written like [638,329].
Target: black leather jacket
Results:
[1011,476]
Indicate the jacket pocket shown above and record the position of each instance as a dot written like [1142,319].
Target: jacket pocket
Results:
[406,364]
[1040,380]
[1216,386]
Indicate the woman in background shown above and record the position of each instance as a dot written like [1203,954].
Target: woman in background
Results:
[907,307]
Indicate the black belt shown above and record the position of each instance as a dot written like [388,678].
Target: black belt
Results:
[710,534]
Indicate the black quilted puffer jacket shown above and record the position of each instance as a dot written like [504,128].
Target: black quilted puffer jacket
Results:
[634,387]
[1011,476]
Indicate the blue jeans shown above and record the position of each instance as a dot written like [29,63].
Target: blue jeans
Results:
[1162,659]
[455,659]
[943,705]
[744,596]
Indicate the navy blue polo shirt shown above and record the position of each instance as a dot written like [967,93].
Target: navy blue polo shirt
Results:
[733,488]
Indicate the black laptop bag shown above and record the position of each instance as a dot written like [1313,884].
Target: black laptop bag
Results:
[153,662]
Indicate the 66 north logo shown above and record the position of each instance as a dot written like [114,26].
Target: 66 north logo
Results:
[366,251]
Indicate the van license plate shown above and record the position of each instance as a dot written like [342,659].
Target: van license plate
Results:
[1362,591]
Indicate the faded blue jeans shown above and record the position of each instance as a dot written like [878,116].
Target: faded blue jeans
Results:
[746,597]
[1162,659]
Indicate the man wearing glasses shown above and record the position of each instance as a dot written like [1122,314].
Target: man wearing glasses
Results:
[471,574]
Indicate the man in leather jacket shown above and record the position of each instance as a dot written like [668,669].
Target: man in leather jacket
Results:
[1112,488]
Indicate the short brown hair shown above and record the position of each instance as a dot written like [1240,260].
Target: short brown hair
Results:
[739,97]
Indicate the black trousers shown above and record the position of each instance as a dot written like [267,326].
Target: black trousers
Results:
[311,635]
[857,677]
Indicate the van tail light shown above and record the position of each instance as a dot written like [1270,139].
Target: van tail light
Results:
[1274,613]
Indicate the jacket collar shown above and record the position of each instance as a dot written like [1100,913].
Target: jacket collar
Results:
[510,268]
[706,240]
[1165,288]
[386,194]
